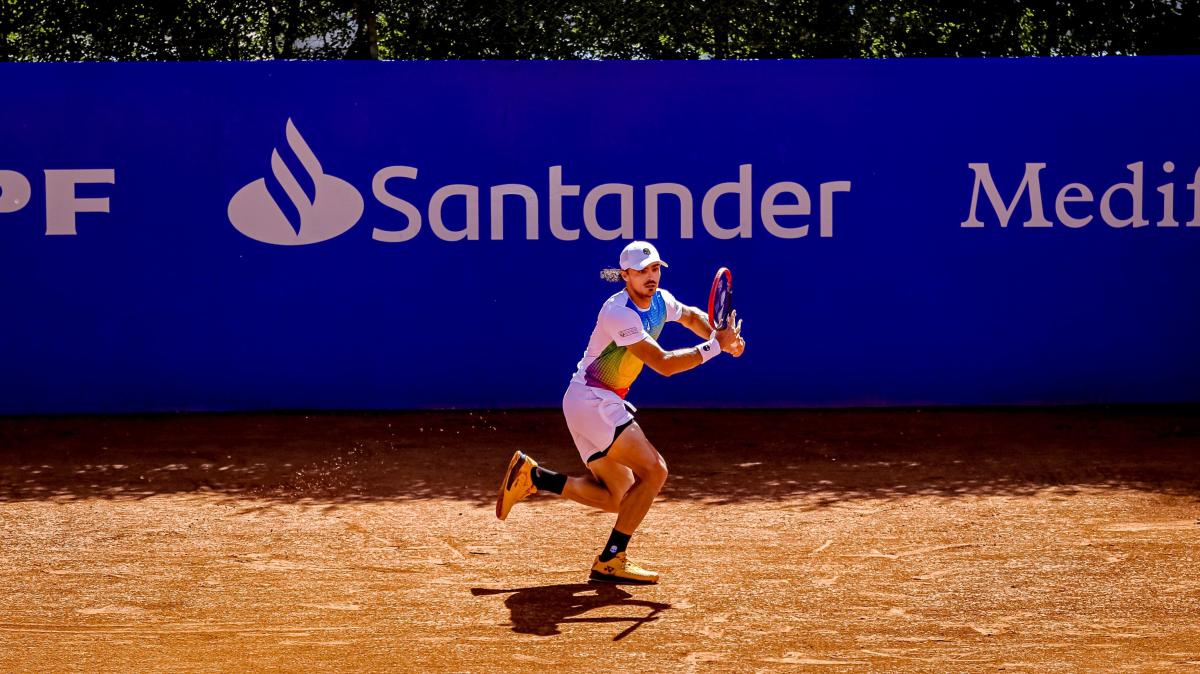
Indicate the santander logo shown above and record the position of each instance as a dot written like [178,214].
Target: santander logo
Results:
[786,209]
[334,207]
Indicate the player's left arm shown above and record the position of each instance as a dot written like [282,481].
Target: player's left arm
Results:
[695,320]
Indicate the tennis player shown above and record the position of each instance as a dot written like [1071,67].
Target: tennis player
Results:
[627,472]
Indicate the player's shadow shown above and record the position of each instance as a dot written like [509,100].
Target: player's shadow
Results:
[541,610]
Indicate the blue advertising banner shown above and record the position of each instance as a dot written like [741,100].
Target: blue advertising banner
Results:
[235,236]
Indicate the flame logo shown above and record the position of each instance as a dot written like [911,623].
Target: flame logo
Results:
[334,207]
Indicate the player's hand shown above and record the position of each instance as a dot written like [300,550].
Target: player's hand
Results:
[739,344]
[731,334]
[738,347]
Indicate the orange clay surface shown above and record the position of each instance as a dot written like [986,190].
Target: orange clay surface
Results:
[900,541]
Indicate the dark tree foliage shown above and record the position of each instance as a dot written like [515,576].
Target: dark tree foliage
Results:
[73,30]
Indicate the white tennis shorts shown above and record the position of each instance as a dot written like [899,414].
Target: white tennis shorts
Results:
[593,415]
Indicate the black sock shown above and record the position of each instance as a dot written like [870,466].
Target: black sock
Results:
[617,542]
[548,480]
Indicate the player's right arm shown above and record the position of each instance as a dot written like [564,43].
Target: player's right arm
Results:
[668,363]
[665,362]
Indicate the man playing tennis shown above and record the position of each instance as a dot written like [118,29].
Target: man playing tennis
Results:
[627,472]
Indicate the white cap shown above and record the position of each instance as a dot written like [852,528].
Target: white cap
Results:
[639,255]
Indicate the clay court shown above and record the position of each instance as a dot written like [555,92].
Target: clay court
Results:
[908,540]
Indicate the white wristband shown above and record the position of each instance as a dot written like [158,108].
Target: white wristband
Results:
[709,350]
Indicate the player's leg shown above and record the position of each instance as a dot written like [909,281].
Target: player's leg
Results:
[609,481]
[604,489]
[587,490]
[615,481]
[596,423]
[632,452]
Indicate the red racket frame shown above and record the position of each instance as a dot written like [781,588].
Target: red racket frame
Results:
[712,295]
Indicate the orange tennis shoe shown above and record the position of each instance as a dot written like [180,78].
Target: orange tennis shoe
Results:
[517,483]
[621,570]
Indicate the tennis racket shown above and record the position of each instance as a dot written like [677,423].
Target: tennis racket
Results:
[720,299]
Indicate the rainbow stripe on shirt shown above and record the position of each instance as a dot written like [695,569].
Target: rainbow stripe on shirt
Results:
[616,368]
